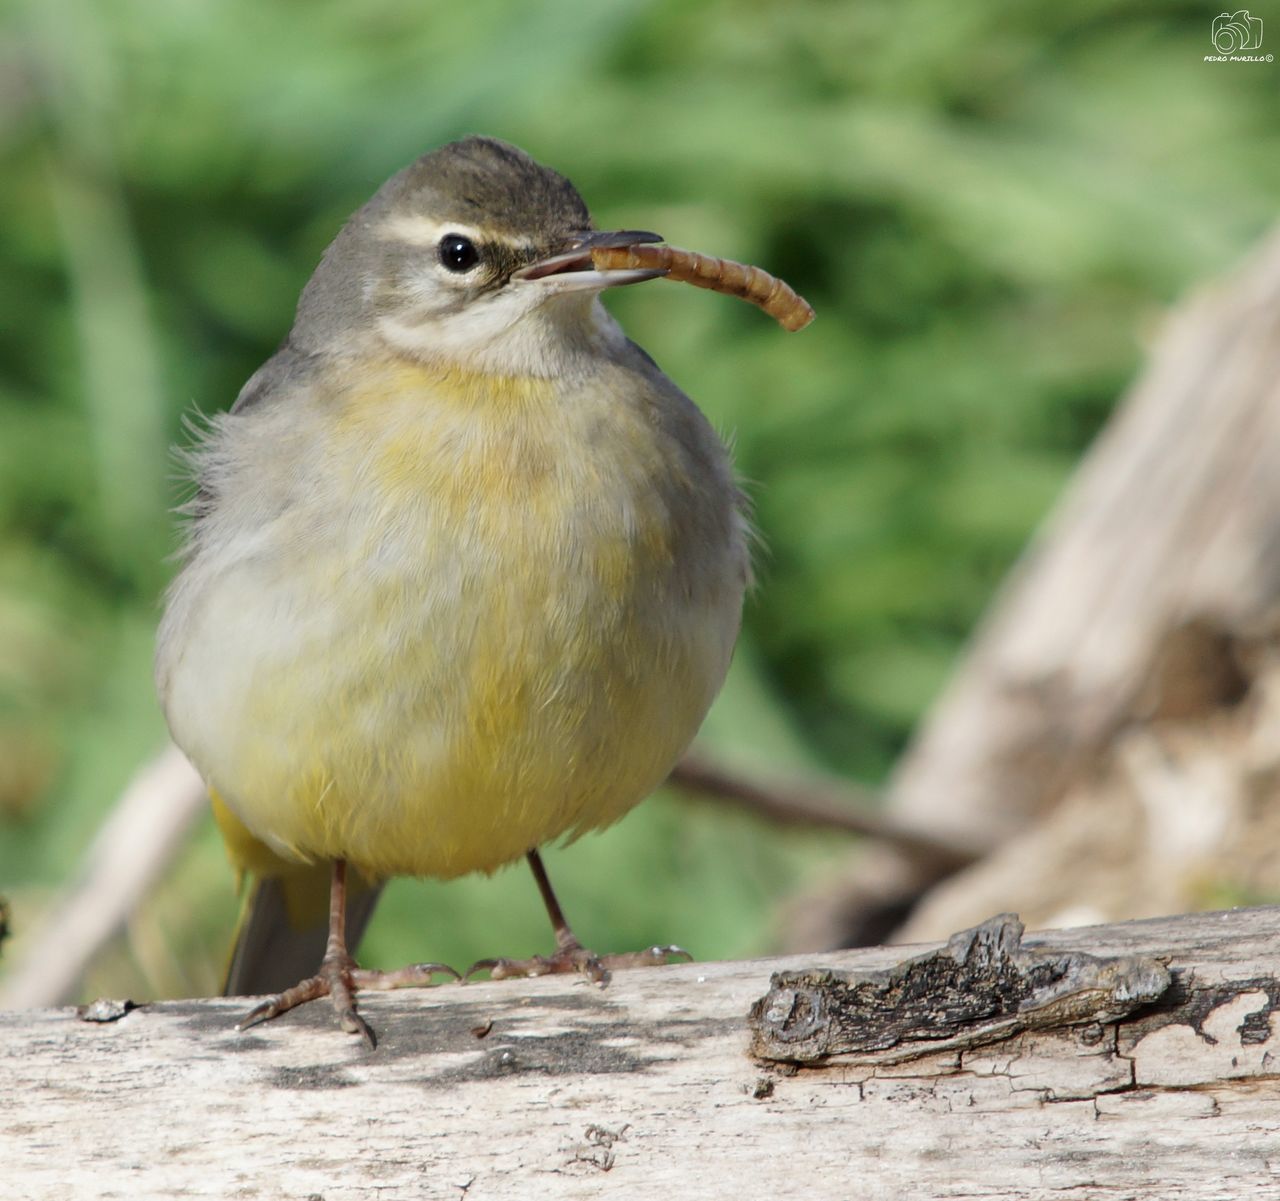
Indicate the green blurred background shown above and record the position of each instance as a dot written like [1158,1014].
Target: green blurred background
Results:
[989,205]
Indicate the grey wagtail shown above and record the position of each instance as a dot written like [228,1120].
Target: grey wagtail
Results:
[463,575]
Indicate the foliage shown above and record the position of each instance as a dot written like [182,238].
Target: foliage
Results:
[987,204]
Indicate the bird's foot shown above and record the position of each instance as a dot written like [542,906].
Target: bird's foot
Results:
[340,979]
[572,956]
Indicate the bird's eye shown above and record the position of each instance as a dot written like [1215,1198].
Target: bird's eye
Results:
[458,253]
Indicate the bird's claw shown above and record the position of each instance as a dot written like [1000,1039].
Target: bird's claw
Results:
[339,979]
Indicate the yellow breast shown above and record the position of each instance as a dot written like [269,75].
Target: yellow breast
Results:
[490,612]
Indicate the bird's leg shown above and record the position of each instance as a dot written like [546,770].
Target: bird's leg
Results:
[334,979]
[570,955]
[339,978]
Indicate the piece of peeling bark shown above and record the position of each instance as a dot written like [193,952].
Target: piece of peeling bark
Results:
[983,986]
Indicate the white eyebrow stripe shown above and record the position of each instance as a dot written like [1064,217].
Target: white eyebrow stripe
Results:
[419,230]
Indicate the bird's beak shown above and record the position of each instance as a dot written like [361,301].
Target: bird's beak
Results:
[572,271]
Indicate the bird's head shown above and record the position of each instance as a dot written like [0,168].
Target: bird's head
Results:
[474,255]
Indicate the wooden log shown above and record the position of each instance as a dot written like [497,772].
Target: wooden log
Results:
[1168,529]
[558,1089]
[1117,708]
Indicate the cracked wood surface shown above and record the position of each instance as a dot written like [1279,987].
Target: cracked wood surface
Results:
[554,1088]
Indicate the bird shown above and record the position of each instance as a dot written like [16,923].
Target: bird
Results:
[462,573]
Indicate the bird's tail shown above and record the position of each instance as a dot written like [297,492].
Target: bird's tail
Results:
[284,925]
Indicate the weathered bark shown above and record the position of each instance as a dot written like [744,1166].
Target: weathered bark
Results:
[982,987]
[554,1088]
[1113,735]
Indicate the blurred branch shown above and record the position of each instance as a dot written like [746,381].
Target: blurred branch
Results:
[821,803]
[138,842]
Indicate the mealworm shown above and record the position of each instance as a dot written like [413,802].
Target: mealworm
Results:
[778,299]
